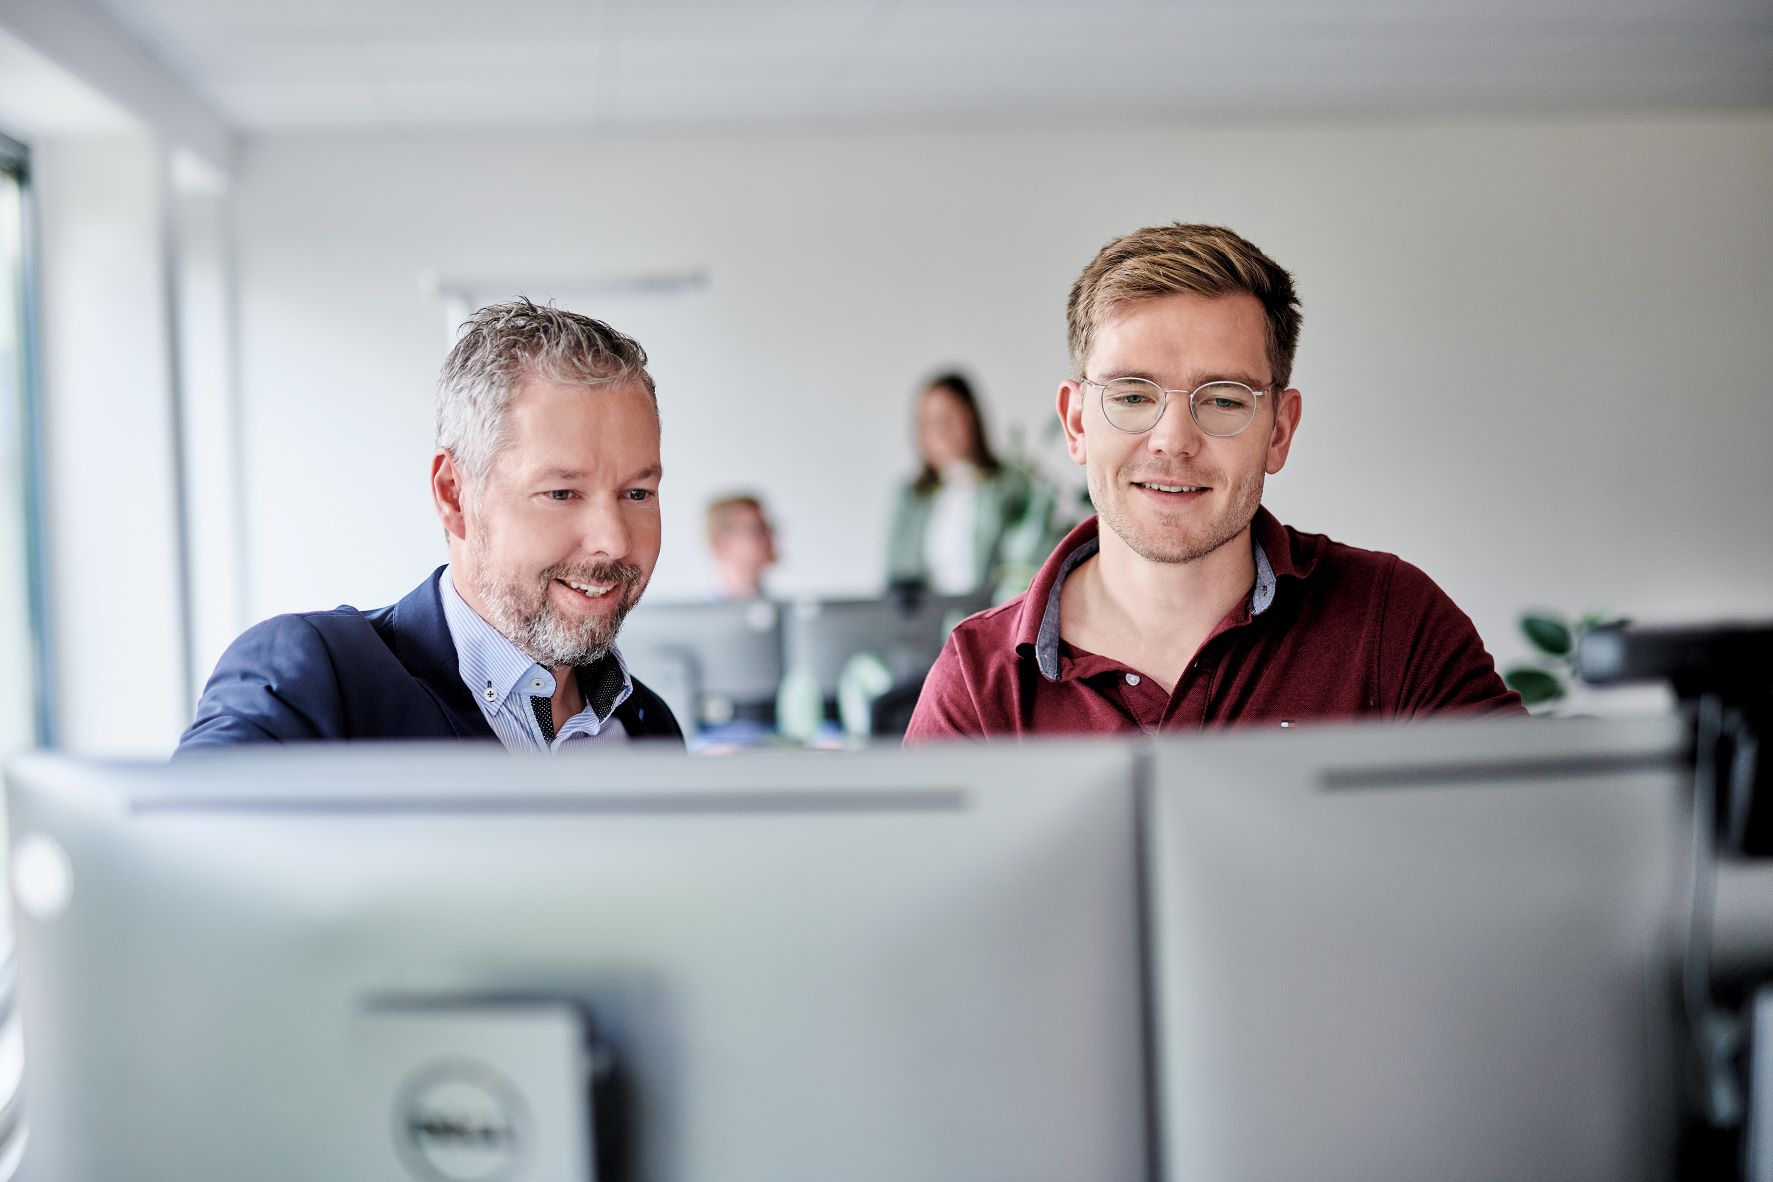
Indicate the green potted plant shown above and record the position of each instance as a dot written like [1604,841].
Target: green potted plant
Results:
[1554,637]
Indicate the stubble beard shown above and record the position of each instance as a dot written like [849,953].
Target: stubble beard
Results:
[1176,547]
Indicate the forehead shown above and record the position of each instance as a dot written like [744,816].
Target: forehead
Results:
[1183,336]
[563,426]
[739,517]
[941,400]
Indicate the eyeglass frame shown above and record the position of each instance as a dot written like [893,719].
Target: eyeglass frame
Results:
[1165,407]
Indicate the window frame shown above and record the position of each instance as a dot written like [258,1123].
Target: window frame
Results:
[15,160]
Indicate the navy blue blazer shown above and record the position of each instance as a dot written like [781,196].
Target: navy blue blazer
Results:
[391,673]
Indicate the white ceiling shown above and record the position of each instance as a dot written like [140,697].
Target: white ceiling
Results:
[651,64]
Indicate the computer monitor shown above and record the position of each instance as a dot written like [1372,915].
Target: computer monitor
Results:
[1437,951]
[720,659]
[379,963]
[906,631]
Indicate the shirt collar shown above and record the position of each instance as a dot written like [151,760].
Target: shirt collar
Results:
[1038,628]
[494,669]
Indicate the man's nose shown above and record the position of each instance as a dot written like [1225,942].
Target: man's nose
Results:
[604,531]
[1176,433]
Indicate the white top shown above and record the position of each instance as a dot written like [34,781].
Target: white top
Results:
[950,545]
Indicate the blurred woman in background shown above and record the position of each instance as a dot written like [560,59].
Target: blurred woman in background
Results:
[954,525]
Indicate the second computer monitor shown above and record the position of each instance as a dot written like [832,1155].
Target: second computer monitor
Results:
[905,631]
[1441,951]
[712,661]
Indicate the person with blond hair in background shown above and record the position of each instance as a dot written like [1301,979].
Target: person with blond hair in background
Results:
[743,545]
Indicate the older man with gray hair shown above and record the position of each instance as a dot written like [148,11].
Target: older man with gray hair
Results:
[546,480]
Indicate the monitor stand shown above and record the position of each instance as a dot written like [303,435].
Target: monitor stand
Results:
[471,1089]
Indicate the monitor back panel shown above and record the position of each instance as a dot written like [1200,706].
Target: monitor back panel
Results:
[905,633]
[1439,951]
[731,650]
[880,966]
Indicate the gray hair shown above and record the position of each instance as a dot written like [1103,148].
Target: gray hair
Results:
[504,345]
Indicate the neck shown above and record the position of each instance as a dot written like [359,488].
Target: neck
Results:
[1153,594]
[568,699]
[738,584]
[1153,616]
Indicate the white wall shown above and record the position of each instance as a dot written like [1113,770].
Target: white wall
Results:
[111,518]
[1535,352]
[130,181]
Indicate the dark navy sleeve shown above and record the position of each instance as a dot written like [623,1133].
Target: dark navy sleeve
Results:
[275,684]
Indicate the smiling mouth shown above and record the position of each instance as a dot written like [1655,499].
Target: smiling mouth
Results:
[589,590]
[1172,489]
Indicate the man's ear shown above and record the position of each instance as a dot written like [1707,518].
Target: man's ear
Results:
[1280,432]
[1071,412]
[448,493]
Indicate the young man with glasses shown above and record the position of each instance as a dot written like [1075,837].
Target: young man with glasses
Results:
[1184,604]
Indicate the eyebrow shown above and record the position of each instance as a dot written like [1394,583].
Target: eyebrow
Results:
[570,475]
[1223,376]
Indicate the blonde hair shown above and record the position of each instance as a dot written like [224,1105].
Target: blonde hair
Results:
[722,512]
[1201,260]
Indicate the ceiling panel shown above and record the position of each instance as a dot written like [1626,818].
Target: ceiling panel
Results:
[785,63]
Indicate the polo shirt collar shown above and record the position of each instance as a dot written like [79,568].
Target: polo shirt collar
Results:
[1038,628]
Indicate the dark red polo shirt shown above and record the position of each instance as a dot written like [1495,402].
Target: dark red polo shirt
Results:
[1328,632]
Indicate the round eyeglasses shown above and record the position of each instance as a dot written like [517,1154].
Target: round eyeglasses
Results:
[1134,405]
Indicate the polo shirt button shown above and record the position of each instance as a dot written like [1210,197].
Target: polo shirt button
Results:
[1132,679]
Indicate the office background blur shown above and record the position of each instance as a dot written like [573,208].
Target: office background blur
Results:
[1534,244]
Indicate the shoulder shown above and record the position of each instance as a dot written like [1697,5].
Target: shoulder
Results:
[965,692]
[990,632]
[909,506]
[1429,656]
[1402,584]
[277,682]
[1319,555]
[1376,584]
[300,637]
[283,679]
[1010,483]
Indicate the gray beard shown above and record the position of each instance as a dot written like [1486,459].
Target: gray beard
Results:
[550,639]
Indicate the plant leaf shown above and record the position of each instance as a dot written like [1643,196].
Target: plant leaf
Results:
[1535,686]
[1548,634]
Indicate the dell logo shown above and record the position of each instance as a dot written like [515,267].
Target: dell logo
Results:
[460,1121]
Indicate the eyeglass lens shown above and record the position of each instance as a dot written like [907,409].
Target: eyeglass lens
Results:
[1219,408]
